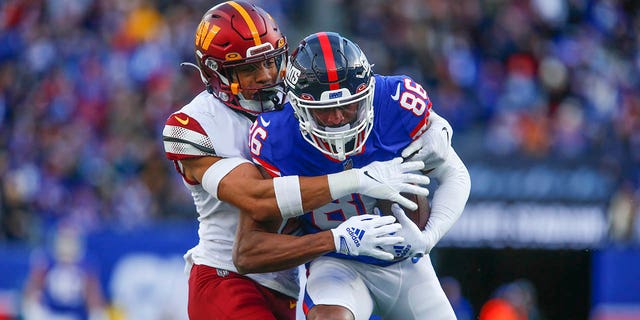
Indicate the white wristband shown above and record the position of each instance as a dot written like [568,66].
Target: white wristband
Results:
[343,183]
[217,171]
[288,196]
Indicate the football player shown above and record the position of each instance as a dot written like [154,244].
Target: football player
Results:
[241,56]
[342,116]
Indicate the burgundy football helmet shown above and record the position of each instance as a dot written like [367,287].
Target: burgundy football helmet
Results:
[234,35]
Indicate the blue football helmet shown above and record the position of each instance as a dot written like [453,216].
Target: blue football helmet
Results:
[329,71]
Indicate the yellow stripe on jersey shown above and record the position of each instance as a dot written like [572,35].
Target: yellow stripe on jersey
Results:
[249,21]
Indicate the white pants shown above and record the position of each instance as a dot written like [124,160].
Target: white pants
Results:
[401,291]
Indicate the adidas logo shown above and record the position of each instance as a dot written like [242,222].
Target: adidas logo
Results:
[401,250]
[356,235]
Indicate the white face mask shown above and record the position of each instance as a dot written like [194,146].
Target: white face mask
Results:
[336,142]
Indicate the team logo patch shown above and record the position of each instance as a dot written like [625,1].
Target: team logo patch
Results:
[204,35]
[292,75]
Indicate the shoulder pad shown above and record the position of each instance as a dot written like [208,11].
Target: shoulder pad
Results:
[185,138]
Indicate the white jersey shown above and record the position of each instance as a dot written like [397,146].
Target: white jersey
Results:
[207,127]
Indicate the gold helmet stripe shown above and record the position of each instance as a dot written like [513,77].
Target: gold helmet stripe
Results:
[249,21]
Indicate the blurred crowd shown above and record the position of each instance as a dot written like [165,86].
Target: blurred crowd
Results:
[85,88]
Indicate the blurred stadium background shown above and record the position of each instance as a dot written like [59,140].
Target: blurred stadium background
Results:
[543,95]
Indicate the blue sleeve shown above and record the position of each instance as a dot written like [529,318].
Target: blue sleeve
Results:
[269,140]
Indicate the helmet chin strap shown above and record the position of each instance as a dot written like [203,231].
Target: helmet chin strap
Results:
[338,129]
[342,145]
[254,105]
[274,97]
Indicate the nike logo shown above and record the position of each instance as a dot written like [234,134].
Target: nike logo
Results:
[184,122]
[366,173]
[397,95]
[447,131]
[264,123]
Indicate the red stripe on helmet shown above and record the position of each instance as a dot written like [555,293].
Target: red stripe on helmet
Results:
[329,60]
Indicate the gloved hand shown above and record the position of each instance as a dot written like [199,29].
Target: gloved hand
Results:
[385,180]
[432,147]
[415,242]
[365,234]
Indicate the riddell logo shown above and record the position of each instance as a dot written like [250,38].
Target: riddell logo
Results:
[335,95]
[356,235]
[259,49]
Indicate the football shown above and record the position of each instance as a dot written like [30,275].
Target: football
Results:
[420,216]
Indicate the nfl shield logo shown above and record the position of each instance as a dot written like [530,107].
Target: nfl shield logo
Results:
[347,164]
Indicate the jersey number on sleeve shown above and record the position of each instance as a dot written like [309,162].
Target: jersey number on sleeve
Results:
[258,134]
[414,98]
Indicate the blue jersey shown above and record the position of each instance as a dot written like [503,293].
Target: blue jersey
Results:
[401,111]
[65,288]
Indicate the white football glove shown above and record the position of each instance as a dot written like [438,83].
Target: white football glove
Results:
[415,241]
[365,234]
[432,147]
[385,180]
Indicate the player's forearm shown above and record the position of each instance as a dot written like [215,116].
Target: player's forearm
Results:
[315,192]
[285,197]
[259,251]
[235,181]
[449,199]
[257,196]
[244,186]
